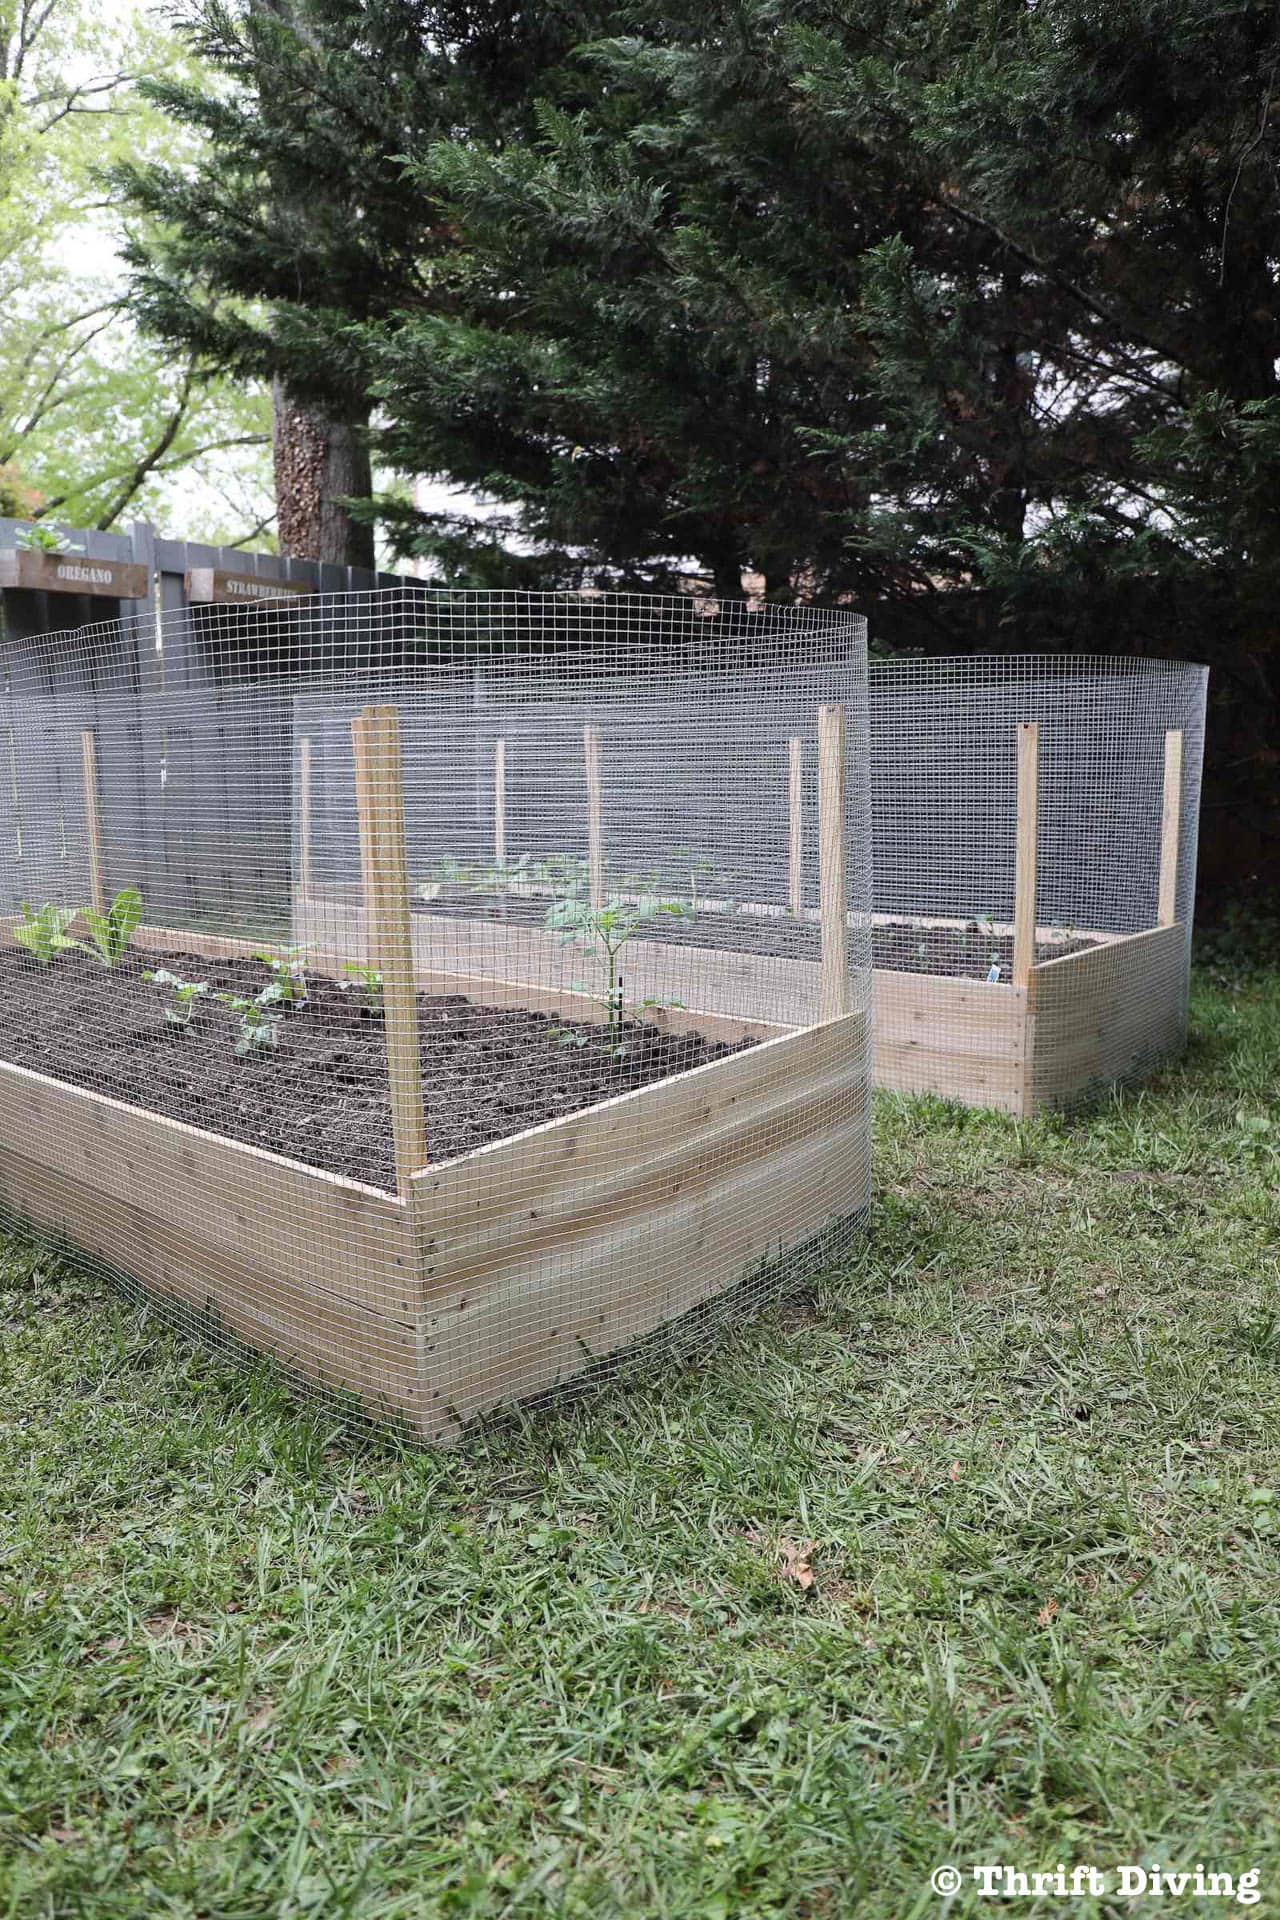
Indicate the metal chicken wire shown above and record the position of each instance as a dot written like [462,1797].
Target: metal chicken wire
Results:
[1034,824]
[445,993]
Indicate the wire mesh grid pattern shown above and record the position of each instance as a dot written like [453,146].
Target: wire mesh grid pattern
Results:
[1034,823]
[444,993]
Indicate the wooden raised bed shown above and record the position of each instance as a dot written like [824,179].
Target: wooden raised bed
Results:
[1059,1030]
[493,1276]
[502,1273]
[1063,1028]
[1110,1012]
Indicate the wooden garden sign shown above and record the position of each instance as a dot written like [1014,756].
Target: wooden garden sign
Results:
[217,586]
[36,571]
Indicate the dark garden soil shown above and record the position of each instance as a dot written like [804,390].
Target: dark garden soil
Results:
[321,1095]
[965,952]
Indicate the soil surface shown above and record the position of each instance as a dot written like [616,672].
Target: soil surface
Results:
[321,1095]
[965,952]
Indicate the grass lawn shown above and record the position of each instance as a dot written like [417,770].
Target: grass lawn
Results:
[972,1557]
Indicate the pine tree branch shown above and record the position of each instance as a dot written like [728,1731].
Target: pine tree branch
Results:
[1064,284]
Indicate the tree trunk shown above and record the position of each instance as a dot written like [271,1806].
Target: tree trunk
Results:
[319,462]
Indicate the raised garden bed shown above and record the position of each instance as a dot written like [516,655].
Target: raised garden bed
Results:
[1091,1008]
[470,1188]
[322,1096]
[493,1276]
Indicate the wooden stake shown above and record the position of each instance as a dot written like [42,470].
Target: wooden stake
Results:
[1170,828]
[93,818]
[1024,884]
[595,815]
[304,817]
[795,750]
[364,817]
[375,736]
[500,801]
[832,898]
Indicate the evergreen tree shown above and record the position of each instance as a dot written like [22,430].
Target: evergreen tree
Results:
[295,242]
[967,314]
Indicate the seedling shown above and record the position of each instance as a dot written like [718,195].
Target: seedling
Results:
[288,975]
[259,1024]
[566,874]
[447,872]
[185,994]
[39,539]
[366,980]
[699,867]
[110,932]
[605,931]
[44,933]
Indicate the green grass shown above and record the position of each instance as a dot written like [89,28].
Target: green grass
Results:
[251,1666]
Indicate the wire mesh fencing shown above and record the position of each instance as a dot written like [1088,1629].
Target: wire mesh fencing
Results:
[1034,821]
[447,994]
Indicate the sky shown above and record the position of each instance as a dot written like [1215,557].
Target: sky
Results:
[193,502]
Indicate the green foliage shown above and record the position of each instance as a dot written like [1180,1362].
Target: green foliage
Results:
[367,979]
[604,932]
[551,872]
[1025,1444]
[288,974]
[110,932]
[92,426]
[185,994]
[259,1021]
[43,932]
[41,539]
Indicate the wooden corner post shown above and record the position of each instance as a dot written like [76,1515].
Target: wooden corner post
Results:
[1170,828]
[1024,883]
[595,815]
[500,801]
[833,910]
[304,817]
[795,822]
[93,818]
[375,737]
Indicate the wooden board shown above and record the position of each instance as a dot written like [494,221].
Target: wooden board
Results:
[35,571]
[326,1339]
[1109,1013]
[745,987]
[286,1223]
[960,1039]
[548,1251]
[218,586]
[502,965]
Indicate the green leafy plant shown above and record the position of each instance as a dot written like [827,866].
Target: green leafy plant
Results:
[447,872]
[699,866]
[42,540]
[185,994]
[110,932]
[288,974]
[604,931]
[43,932]
[366,980]
[259,1022]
